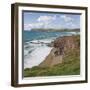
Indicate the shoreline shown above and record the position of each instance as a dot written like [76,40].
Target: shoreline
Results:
[53,51]
[60,61]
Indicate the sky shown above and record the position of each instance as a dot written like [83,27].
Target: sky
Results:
[50,20]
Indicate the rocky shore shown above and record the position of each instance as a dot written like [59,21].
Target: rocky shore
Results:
[61,48]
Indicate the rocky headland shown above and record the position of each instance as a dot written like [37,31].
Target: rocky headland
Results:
[64,59]
[61,47]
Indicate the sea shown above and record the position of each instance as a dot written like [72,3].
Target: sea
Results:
[36,47]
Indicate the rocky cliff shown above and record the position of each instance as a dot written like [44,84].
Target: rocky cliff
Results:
[61,47]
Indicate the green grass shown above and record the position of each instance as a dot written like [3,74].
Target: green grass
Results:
[70,66]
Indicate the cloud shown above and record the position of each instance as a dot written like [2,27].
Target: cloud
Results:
[41,21]
[51,21]
[69,21]
[66,18]
[33,25]
[46,18]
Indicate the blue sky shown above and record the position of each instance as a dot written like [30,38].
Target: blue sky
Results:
[50,20]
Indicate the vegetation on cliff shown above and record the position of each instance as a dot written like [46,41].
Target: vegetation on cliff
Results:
[69,48]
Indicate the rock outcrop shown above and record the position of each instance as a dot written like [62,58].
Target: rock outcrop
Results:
[61,47]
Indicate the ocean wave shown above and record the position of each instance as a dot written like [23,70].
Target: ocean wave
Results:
[42,41]
[36,56]
[34,44]
[74,33]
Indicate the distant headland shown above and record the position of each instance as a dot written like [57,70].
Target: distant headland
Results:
[56,30]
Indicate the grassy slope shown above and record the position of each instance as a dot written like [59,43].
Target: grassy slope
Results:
[70,66]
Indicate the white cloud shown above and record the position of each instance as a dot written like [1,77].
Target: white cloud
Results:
[69,21]
[33,25]
[66,18]
[46,18]
[41,22]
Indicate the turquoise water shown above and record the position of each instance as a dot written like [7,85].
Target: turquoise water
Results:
[37,35]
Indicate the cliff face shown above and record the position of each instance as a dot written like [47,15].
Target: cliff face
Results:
[61,47]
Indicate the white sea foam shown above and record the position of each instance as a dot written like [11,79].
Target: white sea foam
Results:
[36,56]
[35,52]
[74,33]
[41,41]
